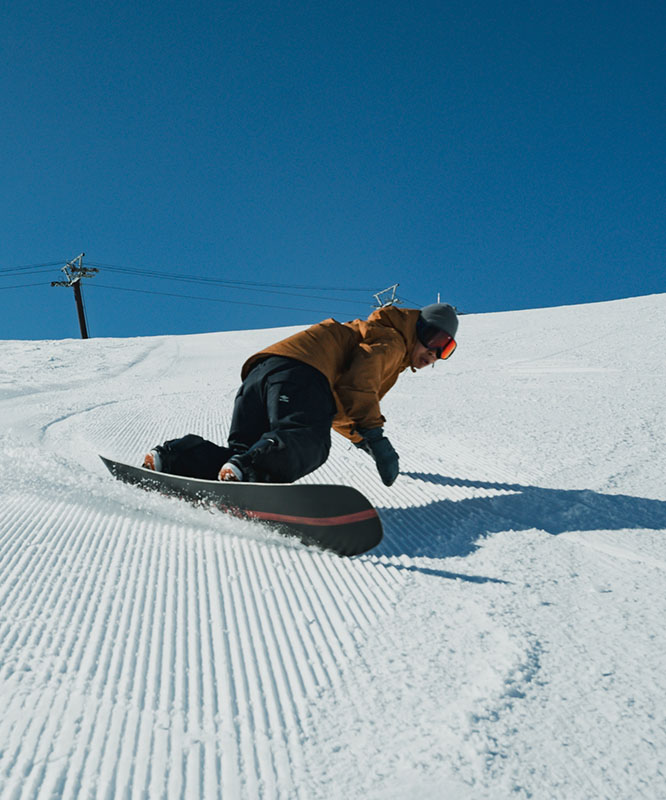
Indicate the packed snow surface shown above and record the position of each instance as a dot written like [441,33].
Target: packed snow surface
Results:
[507,639]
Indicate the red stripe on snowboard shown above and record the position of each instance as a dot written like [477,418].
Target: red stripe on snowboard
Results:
[344,519]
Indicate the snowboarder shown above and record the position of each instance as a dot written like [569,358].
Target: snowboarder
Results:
[330,375]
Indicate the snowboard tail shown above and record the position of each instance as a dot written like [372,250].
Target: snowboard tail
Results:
[333,517]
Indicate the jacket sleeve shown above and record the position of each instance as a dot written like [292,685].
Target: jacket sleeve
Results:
[371,373]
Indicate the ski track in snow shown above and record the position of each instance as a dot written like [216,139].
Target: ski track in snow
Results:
[505,639]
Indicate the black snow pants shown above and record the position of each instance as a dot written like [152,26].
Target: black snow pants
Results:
[282,414]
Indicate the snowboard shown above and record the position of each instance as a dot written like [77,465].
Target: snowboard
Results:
[332,517]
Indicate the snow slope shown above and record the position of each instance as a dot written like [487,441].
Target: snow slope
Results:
[506,639]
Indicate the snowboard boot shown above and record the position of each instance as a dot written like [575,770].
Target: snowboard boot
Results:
[153,460]
[230,472]
[246,466]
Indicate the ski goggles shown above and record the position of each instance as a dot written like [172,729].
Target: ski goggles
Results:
[439,341]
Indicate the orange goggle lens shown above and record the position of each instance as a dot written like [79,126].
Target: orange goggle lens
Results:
[442,344]
[448,349]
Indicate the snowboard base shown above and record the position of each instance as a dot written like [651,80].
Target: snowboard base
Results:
[329,516]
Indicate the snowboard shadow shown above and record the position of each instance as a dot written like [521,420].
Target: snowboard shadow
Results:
[448,528]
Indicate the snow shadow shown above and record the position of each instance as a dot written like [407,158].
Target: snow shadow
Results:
[447,528]
[443,573]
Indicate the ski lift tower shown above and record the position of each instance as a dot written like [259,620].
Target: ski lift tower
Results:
[387,297]
[74,270]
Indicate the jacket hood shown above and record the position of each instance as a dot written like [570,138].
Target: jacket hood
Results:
[402,320]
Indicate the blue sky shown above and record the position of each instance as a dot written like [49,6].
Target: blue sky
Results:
[504,154]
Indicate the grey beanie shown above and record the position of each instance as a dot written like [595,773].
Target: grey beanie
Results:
[442,316]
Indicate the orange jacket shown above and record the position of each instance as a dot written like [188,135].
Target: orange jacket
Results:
[362,359]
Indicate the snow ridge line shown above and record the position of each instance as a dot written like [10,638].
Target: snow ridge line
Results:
[121,427]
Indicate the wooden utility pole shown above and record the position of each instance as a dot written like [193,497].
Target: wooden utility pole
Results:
[74,270]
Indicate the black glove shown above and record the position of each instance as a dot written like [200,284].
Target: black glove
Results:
[379,447]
